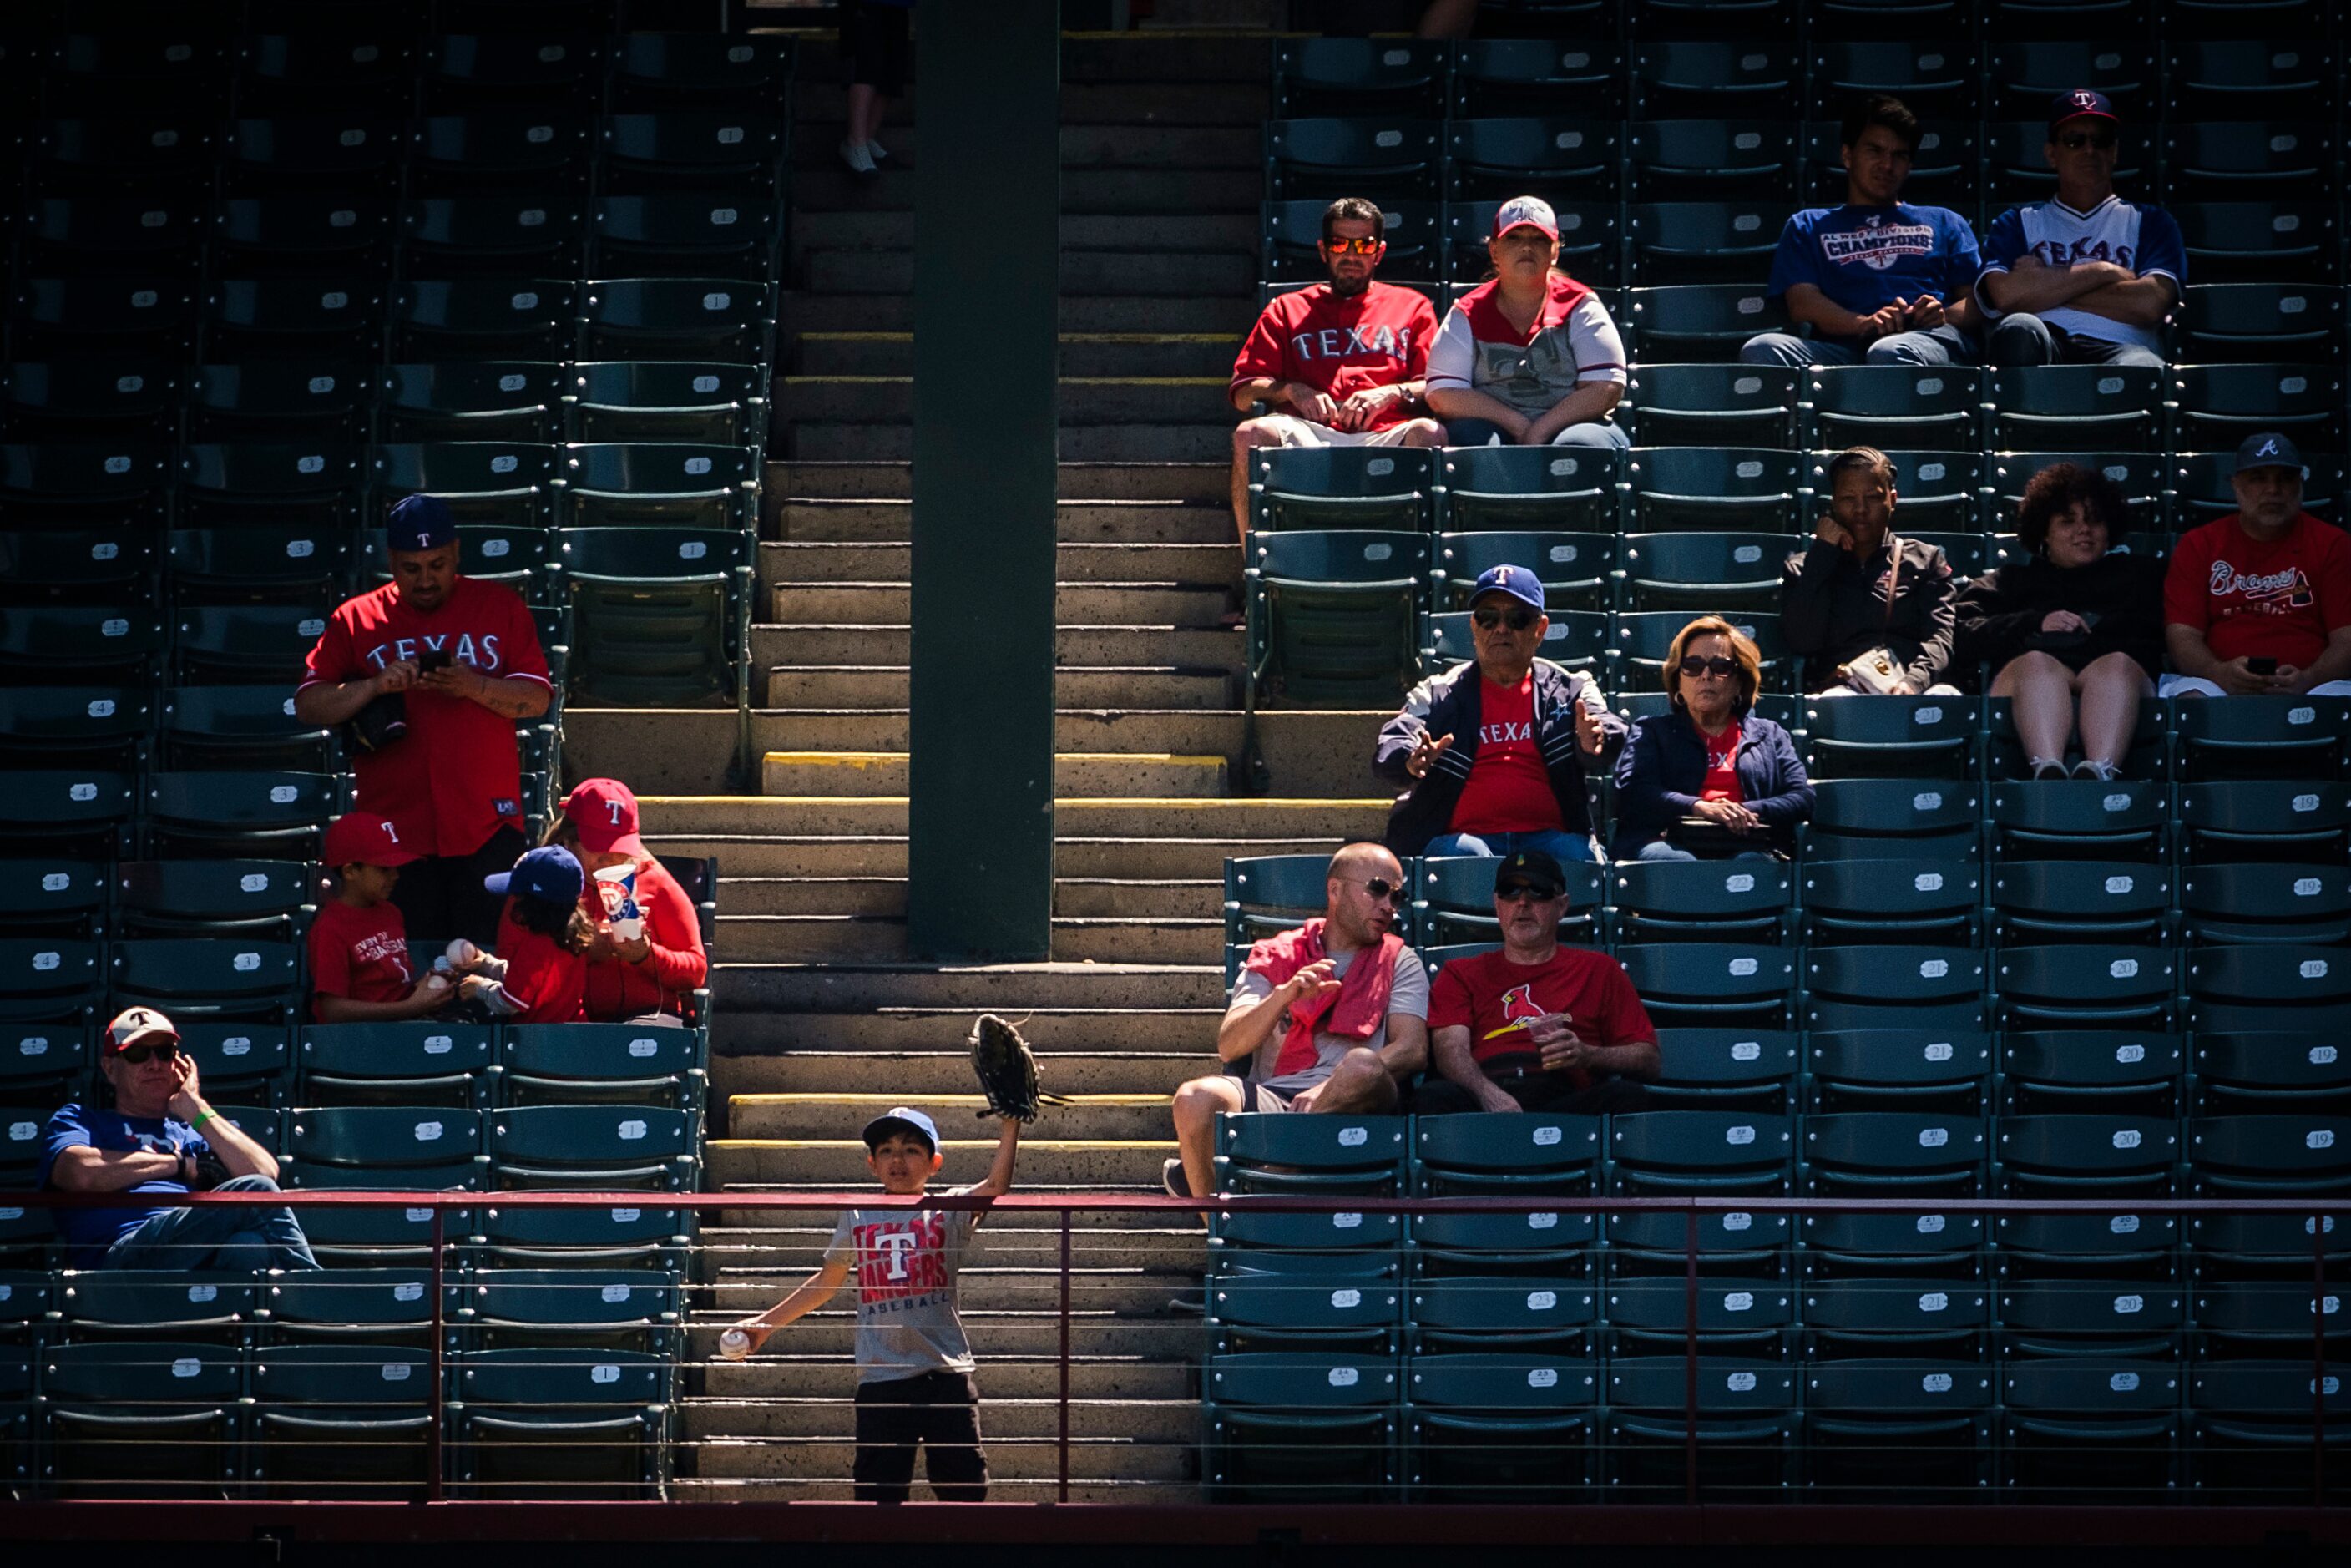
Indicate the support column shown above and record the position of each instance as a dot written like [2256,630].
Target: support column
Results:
[988,199]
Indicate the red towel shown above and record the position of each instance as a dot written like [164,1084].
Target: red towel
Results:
[1355,1010]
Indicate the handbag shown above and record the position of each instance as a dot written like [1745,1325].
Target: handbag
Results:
[1878,672]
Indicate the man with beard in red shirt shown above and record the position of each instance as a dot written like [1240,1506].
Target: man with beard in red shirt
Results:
[463,658]
[1343,363]
[2258,603]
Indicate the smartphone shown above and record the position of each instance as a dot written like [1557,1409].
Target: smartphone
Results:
[2262,666]
[433,659]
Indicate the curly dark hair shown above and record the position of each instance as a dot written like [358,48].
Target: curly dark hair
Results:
[564,924]
[2058,488]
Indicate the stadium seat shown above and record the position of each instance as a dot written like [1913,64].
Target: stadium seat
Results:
[2217,407]
[736,152]
[2064,899]
[207,977]
[343,152]
[76,726]
[1714,573]
[1701,321]
[71,317]
[1897,408]
[1726,1070]
[1495,488]
[1543,1241]
[492,236]
[73,811]
[1746,900]
[269,899]
[109,151]
[1893,986]
[125,236]
[683,69]
[2265,902]
[1749,162]
[156,1418]
[1250,1312]
[1939,81]
[1289,233]
[693,233]
[113,644]
[2063,818]
[601,1063]
[1576,569]
[1327,1246]
[2016,168]
[2284,1155]
[103,399]
[1298,1426]
[491,482]
[660,619]
[1669,242]
[1560,160]
[54,896]
[1359,76]
[2089,1070]
[2086,984]
[604,1148]
[1266,893]
[1699,405]
[303,238]
[561,1423]
[386,1149]
[263,815]
[342,1421]
[595,1307]
[1896,1154]
[1910,737]
[285,73]
[2291,323]
[1745,1426]
[2087,1155]
[472,400]
[2228,159]
[654,401]
[1500,1428]
[1337,486]
[242,1062]
[2089,1428]
[1453,897]
[2025,76]
[419,1063]
[2142,477]
[114,565]
[312,484]
[2273,241]
[676,318]
[539,153]
[1529,1316]
[287,400]
[278,317]
[42,1063]
[120,1304]
[1330,615]
[2251,1436]
[1519,1154]
[80,486]
[1711,982]
[543,69]
[1710,1154]
[240,725]
[369,1308]
[1899,1069]
[2287,1071]
[1876,1426]
[1363,1156]
[661,484]
[2242,819]
[2261,737]
[482,318]
[1378,158]
[631,1235]
[1699,78]
[2111,408]
[1754,488]
[2056,1318]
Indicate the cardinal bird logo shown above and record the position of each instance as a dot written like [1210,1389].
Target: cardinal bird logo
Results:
[1520,1008]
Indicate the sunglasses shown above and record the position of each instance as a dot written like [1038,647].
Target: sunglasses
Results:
[1519,893]
[1380,887]
[137,1055]
[2104,141]
[1517,620]
[1694,666]
[1354,247]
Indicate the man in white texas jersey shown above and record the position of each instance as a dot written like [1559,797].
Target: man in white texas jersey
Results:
[2085,278]
[1341,363]
[462,658]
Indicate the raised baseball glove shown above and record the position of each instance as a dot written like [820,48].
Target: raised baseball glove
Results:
[1007,1070]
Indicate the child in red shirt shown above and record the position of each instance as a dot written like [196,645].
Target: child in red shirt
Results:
[360,968]
[541,970]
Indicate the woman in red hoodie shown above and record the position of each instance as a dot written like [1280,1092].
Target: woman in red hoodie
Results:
[644,973]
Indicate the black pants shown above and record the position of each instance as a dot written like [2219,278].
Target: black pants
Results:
[874,47]
[441,896]
[939,1410]
[1534,1090]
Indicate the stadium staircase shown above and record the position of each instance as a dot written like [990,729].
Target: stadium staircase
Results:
[825,1022]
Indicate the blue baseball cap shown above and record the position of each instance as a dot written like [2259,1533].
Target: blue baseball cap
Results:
[549,872]
[2267,449]
[901,1119]
[1515,581]
[420,522]
[2074,103]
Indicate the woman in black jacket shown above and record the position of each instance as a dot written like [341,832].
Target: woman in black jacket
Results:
[2077,622]
[1710,780]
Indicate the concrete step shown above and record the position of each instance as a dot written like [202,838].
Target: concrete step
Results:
[1011,990]
[947,1071]
[765,1376]
[881,686]
[1159,940]
[1163,103]
[1127,523]
[1000,1489]
[1079,898]
[1083,146]
[1148,442]
[1087,354]
[1087,1218]
[752,1046]
[983,1287]
[1113,1163]
[847,857]
[844,1114]
[879,773]
[1135,1420]
[1123,603]
[787,1251]
[893,479]
[1268,817]
[803,938]
[1108,898]
[811,561]
[1010,1461]
[1147,60]
[863,311]
[1087,402]
[886,645]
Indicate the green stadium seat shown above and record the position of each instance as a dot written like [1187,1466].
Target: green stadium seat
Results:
[118,1303]
[560,1424]
[2265,902]
[486,482]
[2089,1428]
[1560,160]
[252,815]
[1528,1315]
[1699,405]
[2258,1318]
[494,400]
[283,73]
[1329,1155]
[1576,569]
[2251,1436]
[156,150]
[2016,172]
[627,1234]
[241,1063]
[1711,982]
[1900,736]
[604,1148]
[233,644]
[1877,1426]
[2087,1155]
[1266,893]
[1289,233]
[1515,1154]
[1507,488]
[2088,1070]
[1359,76]
[677,317]
[2235,158]
[2086,984]
[1898,1070]
[2217,407]
[1743,169]
[1643,637]
[1938,80]
[273,400]
[1747,901]
[2057,1318]
[1248,1312]
[2269,1070]
[1325,1246]
[1590,241]
[661,618]
[2110,408]
[1300,1427]
[2114,818]
[156,1418]
[2060,900]
[540,65]
[654,71]
[605,1063]
[1337,486]
[539,151]
[1331,616]
[1500,1427]
[1923,899]
[1910,409]
[1722,574]
[1726,1070]
[499,236]
[44,1063]
[1735,1315]
[81,486]
[74,726]
[1543,1242]
[1747,77]
[2275,241]
[1454,896]
[658,484]
[2285,1154]
[409,1149]
[425,1062]
[1382,159]
[342,151]
[336,317]
[697,234]
[54,896]
[214,897]
[622,400]
[1701,321]
[2024,70]
[303,237]
[112,236]
[304,562]
[482,318]
[2236,819]
[1745,1425]
[361,1309]
[1522,74]
[2261,737]
[1712,1154]
[208,976]
[598,1308]
[85,644]
[1897,1153]
[342,1421]
[106,564]
[1894,987]
[2290,323]
[255,726]
[520,557]
[2238,70]
[45,980]
[737,152]
[74,315]
[1755,488]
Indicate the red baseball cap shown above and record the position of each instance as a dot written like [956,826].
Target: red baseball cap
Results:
[366,839]
[132,1025]
[604,813]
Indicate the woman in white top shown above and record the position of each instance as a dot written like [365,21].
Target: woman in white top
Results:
[1530,357]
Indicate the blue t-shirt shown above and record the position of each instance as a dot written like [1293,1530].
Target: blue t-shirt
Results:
[88,1232]
[1864,257]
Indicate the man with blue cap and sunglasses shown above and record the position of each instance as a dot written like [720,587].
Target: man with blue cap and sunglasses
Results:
[436,667]
[1492,753]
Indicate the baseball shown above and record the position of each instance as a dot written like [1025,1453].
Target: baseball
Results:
[735,1344]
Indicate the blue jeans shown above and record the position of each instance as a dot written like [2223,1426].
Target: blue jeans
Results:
[1565,848]
[224,1240]
[1659,849]
[1597,434]
[1935,346]
[2024,339]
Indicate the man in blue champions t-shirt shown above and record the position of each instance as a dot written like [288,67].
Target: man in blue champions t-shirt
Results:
[1878,279]
[162,1138]
[2085,279]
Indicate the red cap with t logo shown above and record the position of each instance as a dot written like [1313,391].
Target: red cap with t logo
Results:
[605,814]
[362,838]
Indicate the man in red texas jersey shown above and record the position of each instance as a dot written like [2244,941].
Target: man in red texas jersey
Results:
[464,657]
[1343,361]
[1536,1026]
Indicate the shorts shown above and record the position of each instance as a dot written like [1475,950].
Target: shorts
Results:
[1297,431]
[1270,1100]
[875,51]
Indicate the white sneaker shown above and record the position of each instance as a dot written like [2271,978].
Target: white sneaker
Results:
[860,162]
[876,151]
[2092,768]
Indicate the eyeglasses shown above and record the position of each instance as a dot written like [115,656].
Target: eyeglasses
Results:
[1694,666]
[1517,620]
[1519,893]
[1380,887]
[2104,141]
[137,1055]
[1354,247]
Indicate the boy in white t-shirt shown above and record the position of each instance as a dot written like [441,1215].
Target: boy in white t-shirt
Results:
[914,1382]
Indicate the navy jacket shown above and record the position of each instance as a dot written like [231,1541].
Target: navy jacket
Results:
[1448,705]
[1664,768]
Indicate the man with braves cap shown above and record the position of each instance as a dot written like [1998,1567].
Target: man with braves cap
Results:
[1339,363]
[1530,357]
[462,657]
[643,972]
[2085,278]
[1492,753]
[2258,603]
[162,1139]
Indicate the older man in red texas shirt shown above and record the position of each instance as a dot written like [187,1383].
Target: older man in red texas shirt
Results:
[2258,603]
[1346,359]
[464,655]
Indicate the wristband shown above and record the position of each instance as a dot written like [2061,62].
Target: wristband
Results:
[207,1114]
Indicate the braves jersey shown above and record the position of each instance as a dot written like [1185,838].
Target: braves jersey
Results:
[2276,597]
[905,1263]
[1342,344]
[2143,239]
[1863,258]
[1572,340]
[457,776]
[360,955]
[1495,1000]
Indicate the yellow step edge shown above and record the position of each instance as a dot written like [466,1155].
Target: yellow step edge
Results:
[873,759]
[959,1100]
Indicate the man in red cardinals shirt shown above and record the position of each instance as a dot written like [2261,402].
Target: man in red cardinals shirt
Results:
[2258,603]
[463,658]
[1536,1026]
[1341,362]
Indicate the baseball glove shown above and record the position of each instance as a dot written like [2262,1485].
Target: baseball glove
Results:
[1007,1070]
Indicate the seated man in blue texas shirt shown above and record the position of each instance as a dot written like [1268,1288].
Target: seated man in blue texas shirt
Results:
[1878,280]
[163,1138]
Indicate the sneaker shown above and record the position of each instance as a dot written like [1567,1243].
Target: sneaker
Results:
[860,162]
[2093,768]
[2042,768]
[1172,1177]
[876,151]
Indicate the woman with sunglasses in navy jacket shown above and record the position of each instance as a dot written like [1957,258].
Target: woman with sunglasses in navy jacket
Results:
[1711,779]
